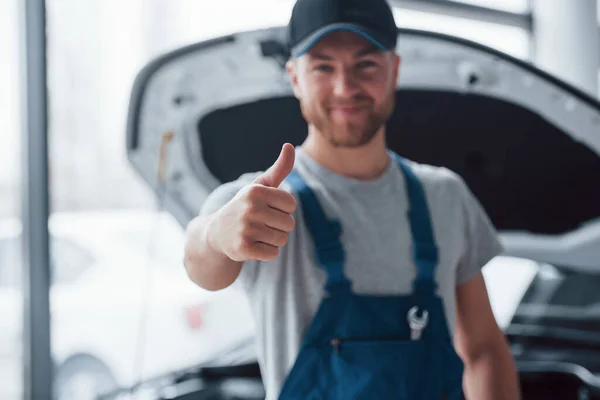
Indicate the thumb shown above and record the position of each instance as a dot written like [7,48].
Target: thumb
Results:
[280,169]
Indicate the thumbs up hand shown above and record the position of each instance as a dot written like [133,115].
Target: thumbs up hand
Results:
[284,164]
[257,221]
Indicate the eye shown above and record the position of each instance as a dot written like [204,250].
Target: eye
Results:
[365,64]
[323,68]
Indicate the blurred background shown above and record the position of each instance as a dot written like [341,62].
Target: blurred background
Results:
[122,308]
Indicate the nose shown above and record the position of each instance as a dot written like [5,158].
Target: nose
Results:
[345,84]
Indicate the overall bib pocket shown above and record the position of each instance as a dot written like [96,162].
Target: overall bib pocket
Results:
[378,368]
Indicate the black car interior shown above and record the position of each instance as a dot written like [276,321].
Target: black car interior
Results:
[494,145]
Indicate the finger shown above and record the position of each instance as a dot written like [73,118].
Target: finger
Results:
[262,252]
[281,200]
[270,236]
[273,197]
[280,169]
[278,220]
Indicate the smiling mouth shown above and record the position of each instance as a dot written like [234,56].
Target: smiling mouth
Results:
[347,110]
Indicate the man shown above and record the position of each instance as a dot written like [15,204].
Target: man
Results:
[265,232]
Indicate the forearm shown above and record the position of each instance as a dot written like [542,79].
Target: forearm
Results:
[491,375]
[206,266]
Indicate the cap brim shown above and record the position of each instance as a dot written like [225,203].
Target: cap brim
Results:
[306,44]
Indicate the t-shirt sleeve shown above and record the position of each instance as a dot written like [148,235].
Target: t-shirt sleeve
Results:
[481,242]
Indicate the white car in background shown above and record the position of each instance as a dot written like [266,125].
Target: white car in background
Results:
[122,305]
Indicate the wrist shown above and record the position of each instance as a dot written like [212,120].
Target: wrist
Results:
[209,236]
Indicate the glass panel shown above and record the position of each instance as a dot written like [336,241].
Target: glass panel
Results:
[516,6]
[11,321]
[191,21]
[123,307]
[95,48]
[508,39]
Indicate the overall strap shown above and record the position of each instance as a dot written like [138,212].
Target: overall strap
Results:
[425,251]
[325,233]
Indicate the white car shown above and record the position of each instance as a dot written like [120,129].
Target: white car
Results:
[122,305]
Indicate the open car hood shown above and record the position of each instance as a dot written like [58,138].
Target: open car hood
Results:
[526,143]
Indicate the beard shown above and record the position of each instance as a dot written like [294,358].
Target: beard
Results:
[351,132]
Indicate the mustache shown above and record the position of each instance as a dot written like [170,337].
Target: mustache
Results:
[338,104]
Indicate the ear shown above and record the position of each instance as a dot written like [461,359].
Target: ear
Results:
[397,63]
[291,67]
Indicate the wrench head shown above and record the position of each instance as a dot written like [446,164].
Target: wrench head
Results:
[415,321]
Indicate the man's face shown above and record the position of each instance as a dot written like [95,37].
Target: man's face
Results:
[346,87]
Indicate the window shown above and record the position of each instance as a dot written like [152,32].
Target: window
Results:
[148,320]
[192,21]
[515,6]
[11,299]
[10,263]
[508,39]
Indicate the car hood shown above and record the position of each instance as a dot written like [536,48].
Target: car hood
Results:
[526,143]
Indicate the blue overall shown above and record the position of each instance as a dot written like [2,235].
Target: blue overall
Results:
[372,347]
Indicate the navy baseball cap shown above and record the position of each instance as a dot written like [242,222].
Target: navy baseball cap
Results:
[311,20]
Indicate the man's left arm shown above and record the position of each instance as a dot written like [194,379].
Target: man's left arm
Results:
[490,372]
